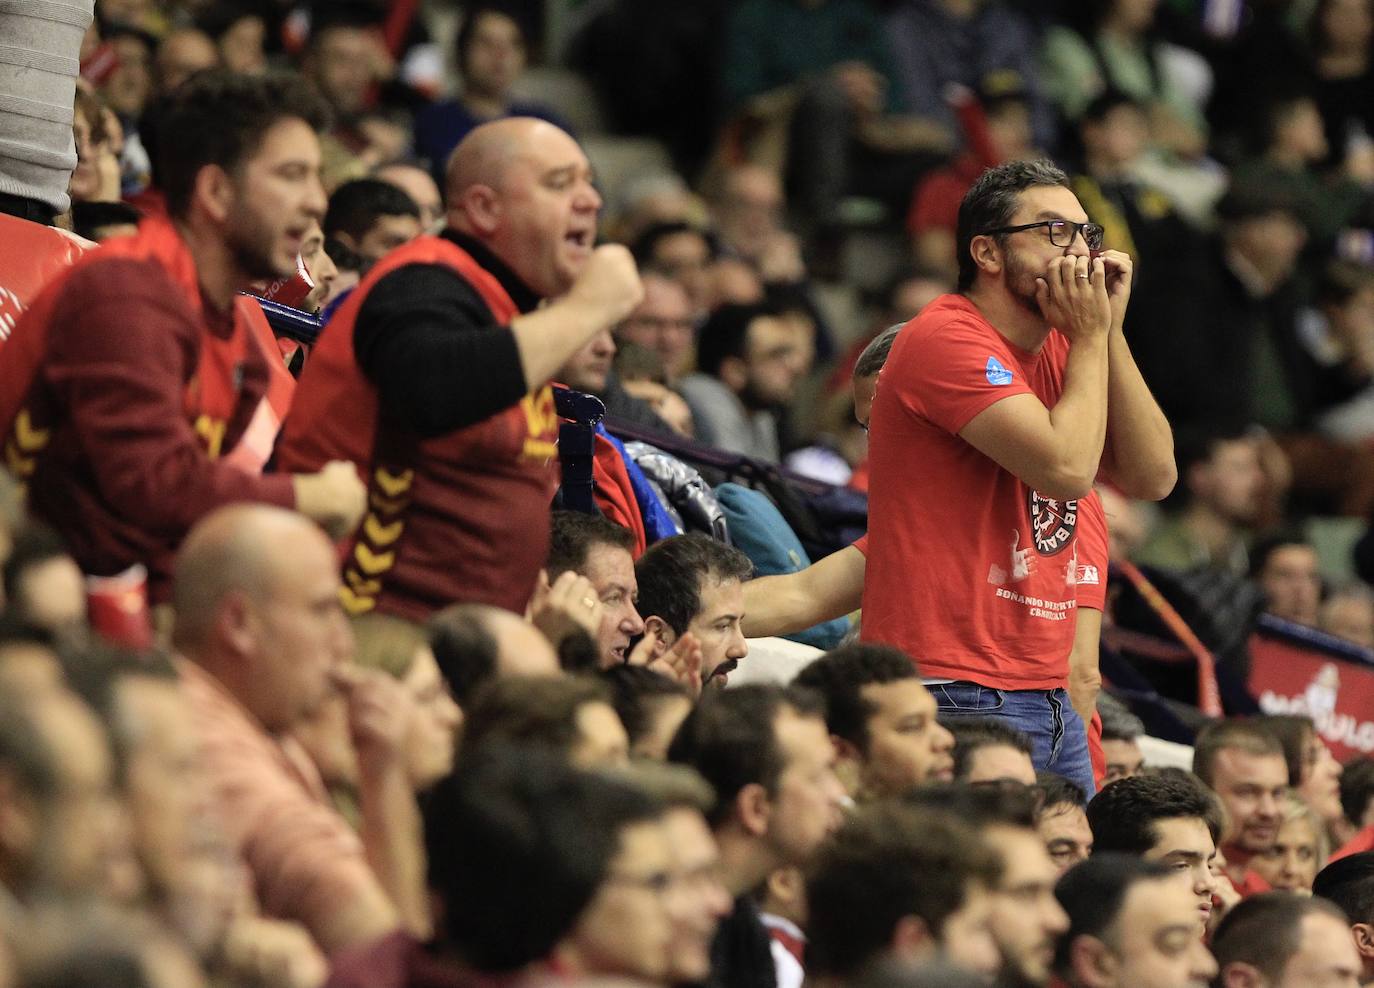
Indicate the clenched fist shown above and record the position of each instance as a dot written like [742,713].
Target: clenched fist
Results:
[609,285]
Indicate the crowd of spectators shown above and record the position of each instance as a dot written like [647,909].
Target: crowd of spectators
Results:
[304,682]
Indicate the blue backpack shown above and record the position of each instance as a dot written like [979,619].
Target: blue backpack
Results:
[759,530]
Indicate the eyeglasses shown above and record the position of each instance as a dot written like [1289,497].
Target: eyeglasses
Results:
[1062,232]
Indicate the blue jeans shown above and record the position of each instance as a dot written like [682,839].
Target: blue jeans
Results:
[1058,738]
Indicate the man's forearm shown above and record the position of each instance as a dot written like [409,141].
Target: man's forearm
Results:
[1079,418]
[1140,451]
[547,337]
[1085,677]
[791,602]
[392,834]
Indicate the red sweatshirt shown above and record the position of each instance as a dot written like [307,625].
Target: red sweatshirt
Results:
[119,391]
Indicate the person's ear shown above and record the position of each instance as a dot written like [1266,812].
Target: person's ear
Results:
[214,192]
[787,884]
[658,629]
[911,940]
[987,254]
[1238,974]
[754,808]
[1091,962]
[1363,934]
[236,623]
[734,373]
[483,209]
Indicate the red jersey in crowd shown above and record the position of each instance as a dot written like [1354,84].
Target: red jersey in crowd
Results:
[463,516]
[969,570]
[120,390]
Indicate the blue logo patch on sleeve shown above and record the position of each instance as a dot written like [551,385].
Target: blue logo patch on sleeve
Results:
[997,374]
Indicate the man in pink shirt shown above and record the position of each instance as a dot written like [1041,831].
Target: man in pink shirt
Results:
[264,641]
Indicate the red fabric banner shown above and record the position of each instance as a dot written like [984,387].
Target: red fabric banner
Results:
[1338,694]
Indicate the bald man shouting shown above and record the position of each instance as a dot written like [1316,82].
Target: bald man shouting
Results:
[433,376]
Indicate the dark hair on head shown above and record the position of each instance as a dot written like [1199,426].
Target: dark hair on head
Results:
[889,861]
[980,805]
[636,692]
[529,710]
[216,19]
[725,334]
[1357,787]
[356,206]
[218,117]
[1256,199]
[972,735]
[646,244]
[1118,723]
[89,217]
[675,787]
[1198,444]
[1055,790]
[518,844]
[1295,733]
[1265,931]
[1107,102]
[1349,883]
[875,355]
[671,573]
[347,16]
[467,31]
[464,648]
[1218,735]
[1123,815]
[841,674]
[1271,543]
[575,533]
[1092,893]
[731,739]
[34,545]
[15,631]
[992,202]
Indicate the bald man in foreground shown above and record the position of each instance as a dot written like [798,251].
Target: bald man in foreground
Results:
[262,643]
[433,376]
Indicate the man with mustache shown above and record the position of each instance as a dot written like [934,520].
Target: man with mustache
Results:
[694,584]
[991,423]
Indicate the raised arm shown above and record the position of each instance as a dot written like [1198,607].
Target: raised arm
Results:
[781,605]
[1057,451]
[1139,455]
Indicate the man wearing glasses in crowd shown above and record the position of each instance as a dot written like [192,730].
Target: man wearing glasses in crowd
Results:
[998,406]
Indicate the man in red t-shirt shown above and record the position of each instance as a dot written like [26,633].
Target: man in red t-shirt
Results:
[991,421]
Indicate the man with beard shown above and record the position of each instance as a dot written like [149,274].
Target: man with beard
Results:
[693,586]
[748,362]
[1026,920]
[992,420]
[132,375]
